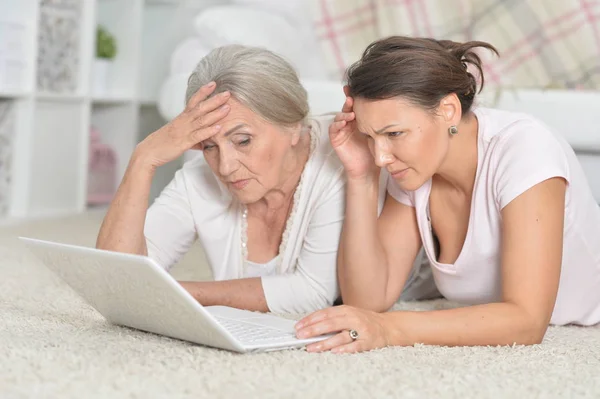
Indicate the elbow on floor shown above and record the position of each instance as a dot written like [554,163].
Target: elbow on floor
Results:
[532,335]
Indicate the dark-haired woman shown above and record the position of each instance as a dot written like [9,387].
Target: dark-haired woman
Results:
[499,203]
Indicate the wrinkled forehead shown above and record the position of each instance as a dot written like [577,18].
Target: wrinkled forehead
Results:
[242,119]
[239,114]
[373,115]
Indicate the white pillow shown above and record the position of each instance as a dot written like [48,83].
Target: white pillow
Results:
[297,12]
[549,106]
[222,25]
[187,55]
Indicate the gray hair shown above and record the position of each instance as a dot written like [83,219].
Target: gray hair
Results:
[259,79]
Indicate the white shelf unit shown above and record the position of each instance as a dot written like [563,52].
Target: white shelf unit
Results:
[47,105]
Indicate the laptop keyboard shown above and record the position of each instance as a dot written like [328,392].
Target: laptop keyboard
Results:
[250,333]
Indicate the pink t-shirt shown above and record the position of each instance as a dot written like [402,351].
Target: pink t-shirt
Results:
[516,152]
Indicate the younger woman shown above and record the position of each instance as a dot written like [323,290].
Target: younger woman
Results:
[499,202]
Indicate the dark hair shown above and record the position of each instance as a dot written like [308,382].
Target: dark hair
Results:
[422,70]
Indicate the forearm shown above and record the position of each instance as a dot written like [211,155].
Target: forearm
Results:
[362,267]
[123,227]
[489,324]
[244,293]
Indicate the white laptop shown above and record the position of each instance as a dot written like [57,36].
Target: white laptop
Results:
[134,291]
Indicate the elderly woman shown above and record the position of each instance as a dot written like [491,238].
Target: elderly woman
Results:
[266,201]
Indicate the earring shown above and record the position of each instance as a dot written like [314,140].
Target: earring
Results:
[453,130]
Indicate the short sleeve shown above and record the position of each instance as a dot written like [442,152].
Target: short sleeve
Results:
[397,193]
[527,156]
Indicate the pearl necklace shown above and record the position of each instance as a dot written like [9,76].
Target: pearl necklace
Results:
[244,234]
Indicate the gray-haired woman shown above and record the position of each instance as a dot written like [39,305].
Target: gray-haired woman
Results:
[266,202]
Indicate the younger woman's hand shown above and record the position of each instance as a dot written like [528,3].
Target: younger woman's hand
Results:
[370,326]
[351,146]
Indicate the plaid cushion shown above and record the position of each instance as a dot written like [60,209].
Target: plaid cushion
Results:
[542,43]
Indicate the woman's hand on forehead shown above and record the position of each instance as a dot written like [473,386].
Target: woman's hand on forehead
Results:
[197,123]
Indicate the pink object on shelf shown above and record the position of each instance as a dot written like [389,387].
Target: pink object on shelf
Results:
[102,171]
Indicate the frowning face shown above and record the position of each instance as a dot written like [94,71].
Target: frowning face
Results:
[407,140]
[249,154]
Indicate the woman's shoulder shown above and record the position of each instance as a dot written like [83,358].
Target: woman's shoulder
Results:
[323,121]
[520,151]
[519,133]
[323,159]
[497,125]
[319,126]
[509,134]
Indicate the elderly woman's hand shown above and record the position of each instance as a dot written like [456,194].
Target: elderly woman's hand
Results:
[357,330]
[351,146]
[195,124]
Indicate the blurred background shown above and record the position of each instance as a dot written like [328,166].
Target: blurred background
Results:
[83,81]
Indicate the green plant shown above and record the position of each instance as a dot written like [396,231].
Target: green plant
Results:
[106,46]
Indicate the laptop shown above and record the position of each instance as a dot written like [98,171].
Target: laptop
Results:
[136,292]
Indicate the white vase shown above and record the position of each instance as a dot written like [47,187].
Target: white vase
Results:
[101,76]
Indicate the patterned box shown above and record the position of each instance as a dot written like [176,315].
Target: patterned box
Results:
[59,41]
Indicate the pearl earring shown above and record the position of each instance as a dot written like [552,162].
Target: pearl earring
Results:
[453,130]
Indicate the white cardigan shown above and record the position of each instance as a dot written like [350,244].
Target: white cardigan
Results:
[197,205]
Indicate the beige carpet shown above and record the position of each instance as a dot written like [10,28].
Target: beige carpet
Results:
[52,345]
